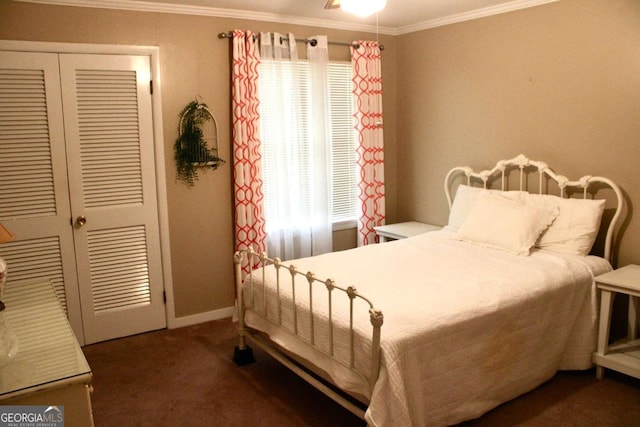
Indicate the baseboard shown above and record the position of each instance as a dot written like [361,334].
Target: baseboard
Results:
[194,319]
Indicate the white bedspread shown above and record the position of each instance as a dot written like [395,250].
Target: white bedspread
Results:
[465,328]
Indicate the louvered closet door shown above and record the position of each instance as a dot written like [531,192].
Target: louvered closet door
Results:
[110,157]
[34,198]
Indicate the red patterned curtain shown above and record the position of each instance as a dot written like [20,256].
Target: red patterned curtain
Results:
[249,212]
[367,71]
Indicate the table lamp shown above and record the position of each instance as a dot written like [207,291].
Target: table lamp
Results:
[8,340]
[5,236]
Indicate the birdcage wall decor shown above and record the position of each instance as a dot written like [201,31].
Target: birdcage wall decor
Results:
[196,147]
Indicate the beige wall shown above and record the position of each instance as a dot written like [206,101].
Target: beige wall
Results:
[193,62]
[559,83]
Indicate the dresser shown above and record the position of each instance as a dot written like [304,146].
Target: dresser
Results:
[43,365]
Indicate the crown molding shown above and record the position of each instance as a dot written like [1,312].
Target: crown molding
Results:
[474,14]
[143,6]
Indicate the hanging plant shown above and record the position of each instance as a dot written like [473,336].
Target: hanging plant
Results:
[191,152]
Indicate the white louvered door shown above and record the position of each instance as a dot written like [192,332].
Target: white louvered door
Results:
[76,140]
[34,193]
[110,157]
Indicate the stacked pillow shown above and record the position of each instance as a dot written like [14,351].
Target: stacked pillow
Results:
[516,221]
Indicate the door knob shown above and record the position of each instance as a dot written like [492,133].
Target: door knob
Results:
[81,220]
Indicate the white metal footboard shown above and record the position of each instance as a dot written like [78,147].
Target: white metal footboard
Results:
[316,286]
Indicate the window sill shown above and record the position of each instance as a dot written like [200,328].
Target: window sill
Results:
[344,225]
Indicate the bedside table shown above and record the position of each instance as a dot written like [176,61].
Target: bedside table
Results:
[623,356]
[402,230]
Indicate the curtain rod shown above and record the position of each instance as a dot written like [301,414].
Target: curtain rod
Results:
[312,42]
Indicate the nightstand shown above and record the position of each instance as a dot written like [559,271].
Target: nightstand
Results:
[402,230]
[623,356]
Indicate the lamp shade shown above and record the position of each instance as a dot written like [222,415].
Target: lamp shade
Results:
[5,235]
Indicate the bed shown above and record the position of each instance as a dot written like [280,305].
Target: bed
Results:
[440,328]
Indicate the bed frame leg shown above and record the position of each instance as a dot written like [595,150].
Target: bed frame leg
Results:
[243,356]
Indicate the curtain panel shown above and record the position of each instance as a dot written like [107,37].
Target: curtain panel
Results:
[247,168]
[295,147]
[367,82]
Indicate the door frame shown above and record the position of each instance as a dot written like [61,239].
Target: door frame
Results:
[158,138]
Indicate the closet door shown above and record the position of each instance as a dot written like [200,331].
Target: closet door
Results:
[34,197]
[110,157]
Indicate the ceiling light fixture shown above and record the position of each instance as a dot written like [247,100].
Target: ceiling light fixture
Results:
[361,8]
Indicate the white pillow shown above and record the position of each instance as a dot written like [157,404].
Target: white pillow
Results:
[503,223]
[465,200]
[575,229]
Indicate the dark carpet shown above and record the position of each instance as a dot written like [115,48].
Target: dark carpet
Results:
[185,377]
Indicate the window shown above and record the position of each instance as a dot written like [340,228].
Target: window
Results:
[276,103]
[344,201]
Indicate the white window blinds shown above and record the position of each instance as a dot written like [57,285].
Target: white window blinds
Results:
[344,195]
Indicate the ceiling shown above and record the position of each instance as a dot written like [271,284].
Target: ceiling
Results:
[399,16]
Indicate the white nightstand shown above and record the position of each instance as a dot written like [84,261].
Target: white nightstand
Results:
[623,356]
[402,230]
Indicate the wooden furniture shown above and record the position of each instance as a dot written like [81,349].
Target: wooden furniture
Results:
[49,368]
[402,230]
[622,356]
[329,332]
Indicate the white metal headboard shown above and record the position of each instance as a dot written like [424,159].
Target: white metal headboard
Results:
[545,174]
